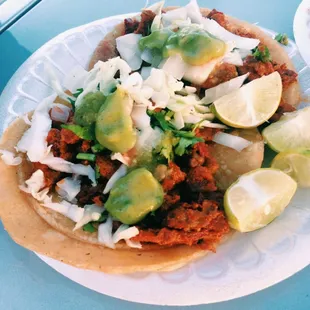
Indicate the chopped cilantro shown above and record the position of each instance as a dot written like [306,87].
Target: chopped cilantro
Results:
[97,172]
[86,133]
[159,119]
[72,102]
[165,148]
[89,227]
[184,143]
[86,156]
[282,38]
[97,148]
[103,217]
[262,55]
[78,92]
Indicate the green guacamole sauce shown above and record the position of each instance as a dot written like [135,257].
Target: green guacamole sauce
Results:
[134,196]
[195,45]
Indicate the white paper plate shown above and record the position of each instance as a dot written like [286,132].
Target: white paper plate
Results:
[302,29]
[245,264]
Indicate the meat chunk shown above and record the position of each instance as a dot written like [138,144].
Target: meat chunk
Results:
[147,17]
[219,17]
[131,25]
[200,156]
[51,177]
[283,108]
[221,73]
[206,238]
[68,136]
[170,200]
[192,216]
[258,69]
[174,176]
[255,68]
[53,138]
[91,194]
[201,179]
[206,133]
[85,146]
[288,76]
[107,167]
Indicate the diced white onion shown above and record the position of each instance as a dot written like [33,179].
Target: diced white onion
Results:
[9,158]
[128,47]
[198,74]
[146,72]
[147,56]
[140,117]
[156,7]
[234,142]
[34,184]
[124,159]
[124,232]
[119,173]
[60,113]
[207,123]
[220,32]
[75,78]
[148,139]
[72,211]
[177,14]
[103,73]
[190,89]
[105,233]
[59,164]
[223,89]
[33,141]
[91,213]
[191,119]
[193,12]
[178,120]
[233,58]
[68,188]
[175,66]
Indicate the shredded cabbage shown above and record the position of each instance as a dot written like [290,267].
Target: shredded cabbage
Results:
[9,158]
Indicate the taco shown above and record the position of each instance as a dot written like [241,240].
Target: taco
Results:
[126,170]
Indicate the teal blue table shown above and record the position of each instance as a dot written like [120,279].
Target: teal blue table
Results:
[25,281]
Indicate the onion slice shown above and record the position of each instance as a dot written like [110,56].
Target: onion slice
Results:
[234,142]
[220,32]
[124,232]
[67,209]
[91,213]
[119,173]
[105,233]
[128,47]
[223,89]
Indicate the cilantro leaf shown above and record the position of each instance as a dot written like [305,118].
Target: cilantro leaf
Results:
[78,92]
[165,148]
[89,227]
[97,172]
[282,38]
[158,119]
[262,55]
[86,133]
[184,143]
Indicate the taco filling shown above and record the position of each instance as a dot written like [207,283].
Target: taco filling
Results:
[141,148]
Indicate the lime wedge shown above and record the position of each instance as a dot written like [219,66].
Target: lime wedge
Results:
[296,165]
[290,133]
[252,104]
[257,198]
